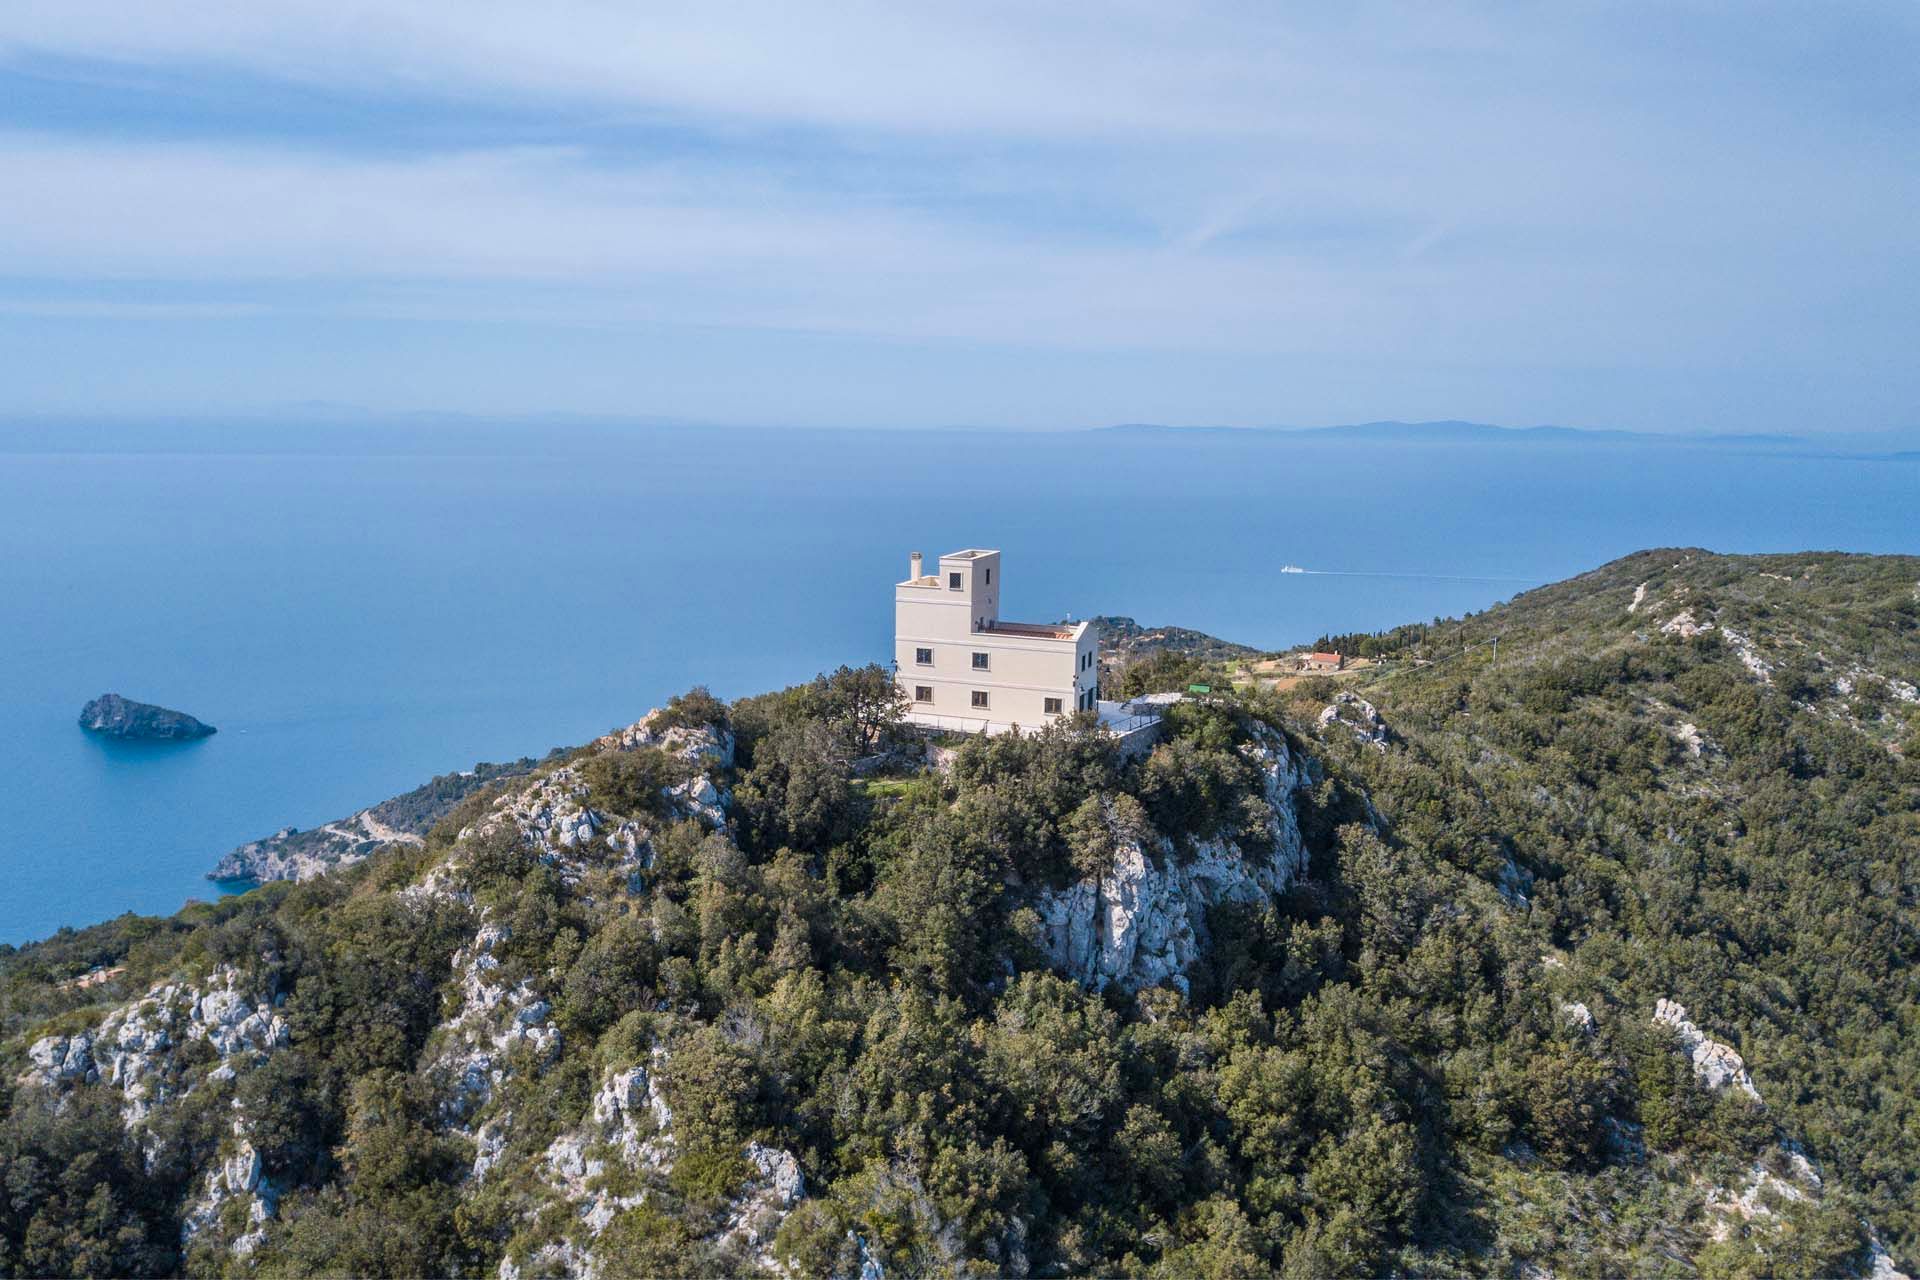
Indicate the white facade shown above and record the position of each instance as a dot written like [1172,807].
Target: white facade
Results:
[963,667]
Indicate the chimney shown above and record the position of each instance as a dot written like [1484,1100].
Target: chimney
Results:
[913,562]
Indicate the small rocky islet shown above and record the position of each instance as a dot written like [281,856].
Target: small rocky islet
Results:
[112,716]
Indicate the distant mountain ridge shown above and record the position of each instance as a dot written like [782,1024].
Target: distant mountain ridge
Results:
[1452,430]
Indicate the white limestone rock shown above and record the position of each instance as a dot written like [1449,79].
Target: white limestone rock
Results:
[239,1175]
[1880,1264]
[59,1060]
[754,1216]
[1515,883]
[552,815]
[1743,649]
[1696,742]
[1716,1065]
[630,1122]
[561,1258]
[1357,716]
[704,747]
[1143,923]
[492,1021]
[132,1050]
[1684,625]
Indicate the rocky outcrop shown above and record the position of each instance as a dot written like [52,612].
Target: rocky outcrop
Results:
[133,1049]
[493,1019]
[1716,1065]
[496,1021]
[1744,649]
[112,716]
[1357,716]
[239,1175]
[1684,625]
[631,1124]
[1696,742]
[706,746]
[553,816]
[773,1187]
[1880,1263]
[1142,923]
[1783,1175]
[702,748]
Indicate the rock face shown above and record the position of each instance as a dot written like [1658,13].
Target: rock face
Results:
[1717,1065]
[492,1021]
[630,1125]
[1357,716]
[1143,923]
[239,1175]
[112,716]
[133,1048]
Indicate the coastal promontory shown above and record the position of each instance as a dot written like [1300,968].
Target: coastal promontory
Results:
[113,716]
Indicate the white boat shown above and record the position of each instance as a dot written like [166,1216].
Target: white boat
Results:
[1291,568]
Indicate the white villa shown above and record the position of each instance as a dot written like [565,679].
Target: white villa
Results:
[963,667]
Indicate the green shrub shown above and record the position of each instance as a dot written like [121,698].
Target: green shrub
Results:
[633,782]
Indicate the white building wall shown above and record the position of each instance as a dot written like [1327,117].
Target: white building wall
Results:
[952,624]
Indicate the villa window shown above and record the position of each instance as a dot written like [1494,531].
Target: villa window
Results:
[980,662]
[923,656]
[989,577]
[953,582]
[1053,706]
[980,699]
[923,693]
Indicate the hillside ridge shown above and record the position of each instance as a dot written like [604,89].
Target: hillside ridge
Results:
[1596,955]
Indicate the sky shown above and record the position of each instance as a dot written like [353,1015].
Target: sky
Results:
[1669,216]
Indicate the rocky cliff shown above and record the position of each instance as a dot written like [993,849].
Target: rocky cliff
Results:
[1143,921]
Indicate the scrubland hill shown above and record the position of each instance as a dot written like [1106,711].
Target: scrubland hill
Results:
[1597,960]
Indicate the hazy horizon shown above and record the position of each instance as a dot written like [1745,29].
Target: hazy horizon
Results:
[1009,216]
[350,428]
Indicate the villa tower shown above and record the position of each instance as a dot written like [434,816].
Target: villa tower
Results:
[963,667]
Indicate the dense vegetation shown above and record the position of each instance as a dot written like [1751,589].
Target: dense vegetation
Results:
[1375,1072]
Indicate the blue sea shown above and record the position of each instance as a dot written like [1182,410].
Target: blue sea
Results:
[360,608]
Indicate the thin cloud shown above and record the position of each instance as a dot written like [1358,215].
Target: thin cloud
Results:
[1537,189]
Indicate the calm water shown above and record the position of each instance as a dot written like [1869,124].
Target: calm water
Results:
[356,621]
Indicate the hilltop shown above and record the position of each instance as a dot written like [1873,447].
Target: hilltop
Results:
[1597,960]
